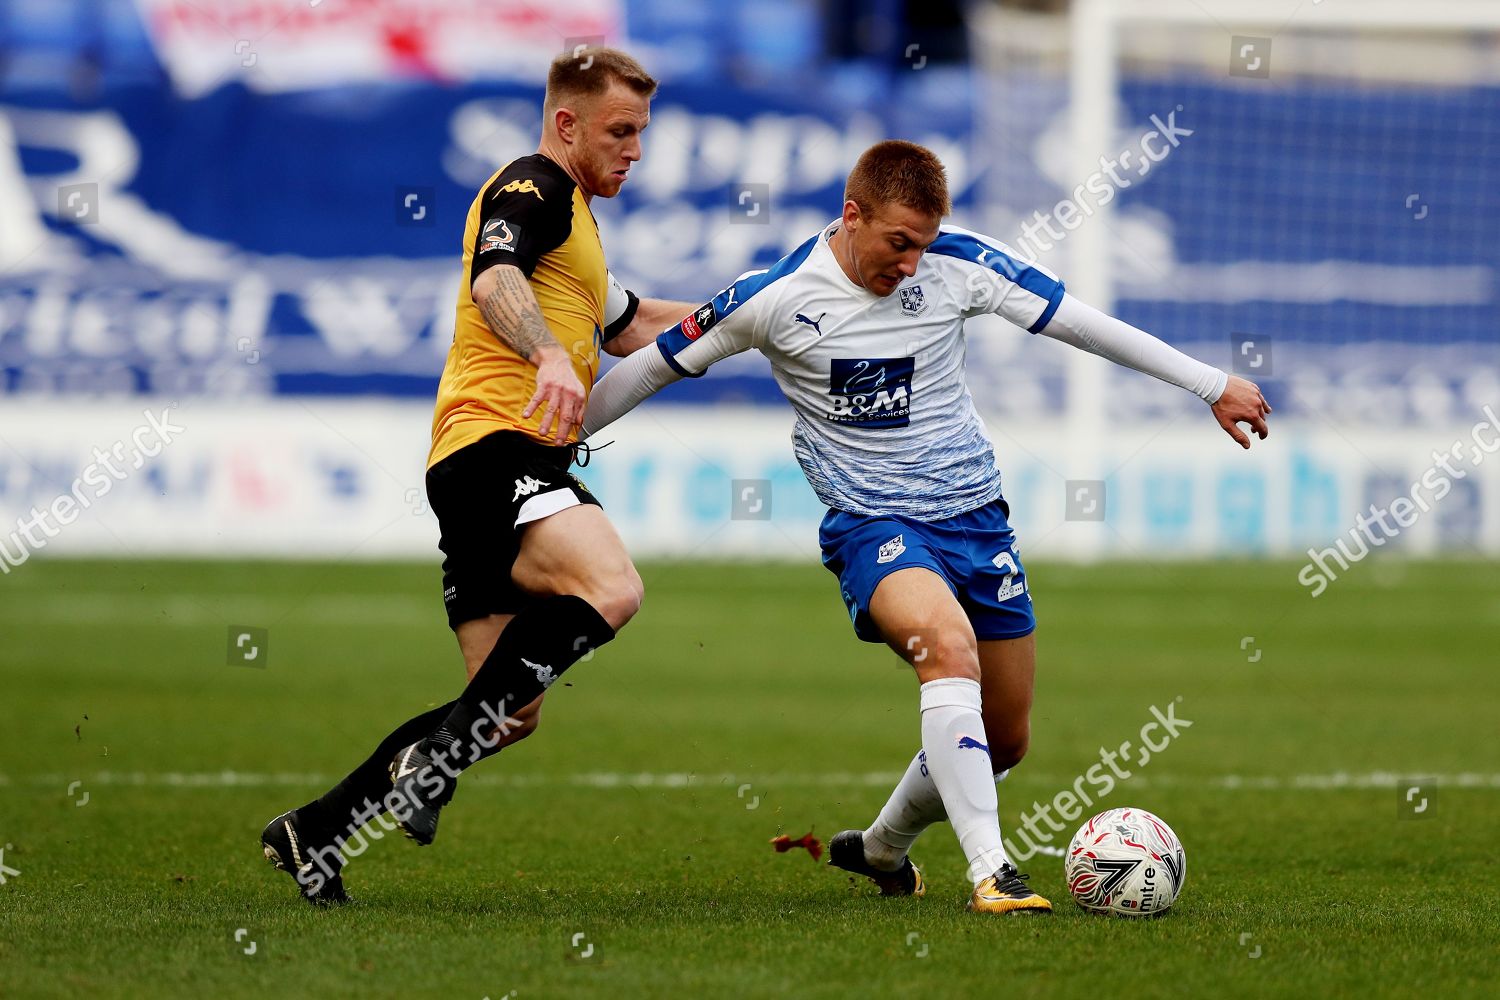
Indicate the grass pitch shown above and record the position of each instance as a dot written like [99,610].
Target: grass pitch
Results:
[624,850]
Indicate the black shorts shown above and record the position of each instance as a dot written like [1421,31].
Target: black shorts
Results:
[484,495]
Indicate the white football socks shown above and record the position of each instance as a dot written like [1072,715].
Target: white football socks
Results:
[958,764]
[914,805]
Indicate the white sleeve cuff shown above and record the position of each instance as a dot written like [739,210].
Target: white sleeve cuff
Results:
[1088,329]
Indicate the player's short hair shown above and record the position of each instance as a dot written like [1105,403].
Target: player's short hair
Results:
[587,71]
[900,172]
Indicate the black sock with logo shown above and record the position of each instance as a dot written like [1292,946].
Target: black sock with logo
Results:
[535,648]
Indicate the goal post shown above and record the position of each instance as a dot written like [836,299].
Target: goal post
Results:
[1325,226]
[1340,186]
[1096,27]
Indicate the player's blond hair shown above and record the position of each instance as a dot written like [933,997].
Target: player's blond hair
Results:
[587,71]
[899,172]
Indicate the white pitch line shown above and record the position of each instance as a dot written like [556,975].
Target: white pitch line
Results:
[1338,780]
[189,611]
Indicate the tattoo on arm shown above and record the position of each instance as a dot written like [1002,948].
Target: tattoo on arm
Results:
[510,309]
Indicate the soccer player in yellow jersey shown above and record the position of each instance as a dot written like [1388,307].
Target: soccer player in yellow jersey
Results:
[534,575]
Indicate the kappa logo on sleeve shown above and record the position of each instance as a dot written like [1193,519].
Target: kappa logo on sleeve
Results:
[523,187]
[871,392]
[498,235]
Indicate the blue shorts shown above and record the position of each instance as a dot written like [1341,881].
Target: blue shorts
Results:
[975,553]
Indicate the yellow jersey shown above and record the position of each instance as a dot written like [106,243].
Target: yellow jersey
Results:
[532,215]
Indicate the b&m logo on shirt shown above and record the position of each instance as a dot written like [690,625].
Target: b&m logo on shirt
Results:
[872,392]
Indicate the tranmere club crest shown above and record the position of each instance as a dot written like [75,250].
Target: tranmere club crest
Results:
[912,300]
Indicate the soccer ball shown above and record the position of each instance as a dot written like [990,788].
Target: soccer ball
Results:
[1125,862]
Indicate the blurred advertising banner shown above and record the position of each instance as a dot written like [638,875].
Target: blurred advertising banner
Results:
[281,45]
[343,479]
[245,244]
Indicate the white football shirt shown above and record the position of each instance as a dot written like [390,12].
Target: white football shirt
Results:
[885,423]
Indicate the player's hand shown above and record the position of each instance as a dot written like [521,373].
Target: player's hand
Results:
[1242,402]
[559,393]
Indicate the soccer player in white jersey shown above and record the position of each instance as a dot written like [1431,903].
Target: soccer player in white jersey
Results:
[864,327]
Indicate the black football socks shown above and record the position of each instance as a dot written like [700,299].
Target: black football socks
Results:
[538,644]
[331,816]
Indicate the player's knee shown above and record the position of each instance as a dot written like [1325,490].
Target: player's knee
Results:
[618,597]
[1009,742]
[1008,754]
[945,655]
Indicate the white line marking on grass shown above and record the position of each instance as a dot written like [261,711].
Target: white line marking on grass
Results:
[682,779]
[101,608]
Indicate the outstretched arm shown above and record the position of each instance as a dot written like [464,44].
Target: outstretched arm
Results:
[625,387]
[1033,298]
[1234,400]
[652,316]
[695,339]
